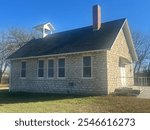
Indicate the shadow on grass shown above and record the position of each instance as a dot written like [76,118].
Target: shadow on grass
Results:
[22,97]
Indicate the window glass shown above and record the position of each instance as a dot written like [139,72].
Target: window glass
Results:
[41,68]
[23,69]
[87,66]
[50,68]
[61,68]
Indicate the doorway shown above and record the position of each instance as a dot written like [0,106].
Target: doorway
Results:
[123,75]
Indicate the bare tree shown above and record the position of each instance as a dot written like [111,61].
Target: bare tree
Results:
[10,41]
[3,54]
[142,45]
[19,36]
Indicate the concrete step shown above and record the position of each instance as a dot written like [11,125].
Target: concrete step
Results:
[126,92]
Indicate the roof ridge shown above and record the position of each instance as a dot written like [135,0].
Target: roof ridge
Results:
[123,19]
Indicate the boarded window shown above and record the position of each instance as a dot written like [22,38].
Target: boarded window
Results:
[87,66]
[41,68]
[61,68]
[23,69]
[50,68]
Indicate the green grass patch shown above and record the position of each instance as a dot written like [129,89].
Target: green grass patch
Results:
[29,102]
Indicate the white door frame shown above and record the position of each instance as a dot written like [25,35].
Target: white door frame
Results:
[123,75]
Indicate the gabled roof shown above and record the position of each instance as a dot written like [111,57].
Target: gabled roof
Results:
[129,40]
[77,40]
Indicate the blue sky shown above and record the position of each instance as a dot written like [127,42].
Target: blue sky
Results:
[69,14]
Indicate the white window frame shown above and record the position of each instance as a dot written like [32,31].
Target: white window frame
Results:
[53,68]
[91,67]
[21,70]
[58,68]
[38,69]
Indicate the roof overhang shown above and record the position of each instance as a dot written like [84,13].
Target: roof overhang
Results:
[128,36]
[124,61]
[61,54]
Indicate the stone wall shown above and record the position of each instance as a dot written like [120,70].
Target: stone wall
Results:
[105,79]
[119,49]
[97,85]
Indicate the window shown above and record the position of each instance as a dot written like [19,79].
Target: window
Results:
[87,66]
[61,68]
[41,68]
[50,68]
[23,69]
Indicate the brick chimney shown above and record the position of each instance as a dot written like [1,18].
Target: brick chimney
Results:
[96,17]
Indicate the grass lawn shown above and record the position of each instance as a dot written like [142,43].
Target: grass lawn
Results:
[24,102]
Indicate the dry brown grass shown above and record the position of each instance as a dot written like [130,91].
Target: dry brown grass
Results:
[25,102]
[3,85]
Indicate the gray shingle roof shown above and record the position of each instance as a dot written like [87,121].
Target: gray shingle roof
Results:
[77,40]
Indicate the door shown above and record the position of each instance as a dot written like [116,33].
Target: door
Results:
[123,75]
